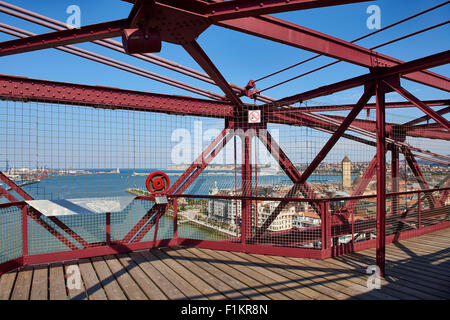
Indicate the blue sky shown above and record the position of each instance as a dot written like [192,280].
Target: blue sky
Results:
[238,56]
[241,57]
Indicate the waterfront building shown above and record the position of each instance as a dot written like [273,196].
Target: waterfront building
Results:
[346,173]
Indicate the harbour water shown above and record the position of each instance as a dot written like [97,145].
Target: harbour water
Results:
[97,184]
[115,184]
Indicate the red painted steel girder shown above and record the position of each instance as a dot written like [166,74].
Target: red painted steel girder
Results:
[300,181]
[288,33]
[36,215]
[234,9]
[301,236]
[370,125]
[66,37]
[382,73]
[105,97]
[183,182]
[277,30]
[415,168]
[303,119]
[419,104]
[344,107]
[427,117]
[362,185]
[196,52]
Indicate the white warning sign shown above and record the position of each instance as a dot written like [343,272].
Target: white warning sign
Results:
[254,116]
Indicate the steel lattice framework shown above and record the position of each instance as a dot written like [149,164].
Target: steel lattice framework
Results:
[181,22]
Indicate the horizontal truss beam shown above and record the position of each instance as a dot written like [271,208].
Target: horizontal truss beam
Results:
[105,97]
[431,61]
[291,34]
[55,39]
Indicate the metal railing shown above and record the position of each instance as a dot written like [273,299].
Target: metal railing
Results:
[309,228]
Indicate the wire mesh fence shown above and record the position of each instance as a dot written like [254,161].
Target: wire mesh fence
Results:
[232,171]
[10,234]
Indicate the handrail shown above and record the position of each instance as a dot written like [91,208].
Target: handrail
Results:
[227,197]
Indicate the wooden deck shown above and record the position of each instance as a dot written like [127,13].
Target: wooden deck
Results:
[417,268]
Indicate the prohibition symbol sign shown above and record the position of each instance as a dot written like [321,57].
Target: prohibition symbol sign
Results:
[254,116]
[157,183]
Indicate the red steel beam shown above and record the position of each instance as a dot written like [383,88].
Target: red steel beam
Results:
[26,196]
[185,185]
[415,168]
[395,173]
[398,70]
[88,33]
[345,107]
[381,179]
[235,9]
[288,167]
[338,133]
[319,158]
[278,30]
[427,117]
[36,215]
[362,185]
[105,97]
[246,205]
[197,53]
[370,125]
[194,170]
[419,104]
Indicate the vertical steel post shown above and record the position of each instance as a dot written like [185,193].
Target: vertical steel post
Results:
[246,214]
[175,219]
[394,177]
[326,227]
[24,231]
[108,228]
[419,211]
[381,179]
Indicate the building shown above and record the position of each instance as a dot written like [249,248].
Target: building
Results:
[346,173]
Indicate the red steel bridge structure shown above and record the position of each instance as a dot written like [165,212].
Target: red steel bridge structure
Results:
[180,22]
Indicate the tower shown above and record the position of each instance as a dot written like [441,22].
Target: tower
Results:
[346,173]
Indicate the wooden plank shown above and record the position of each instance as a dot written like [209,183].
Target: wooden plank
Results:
[413,260]
[401,258]
[22,286]
[264,285]
[294,290]
[92,284]
[129,287]
[402,286]
[39,286]
[7,284]
[107,280]
[315,277]
[171,291]
[197,282]
[309,288]
[337,280]
[207,264]
[185,287]
[335,292]
[361,270]
[57,287]
[354,280]
[427,274]
[248,281]
[145,283]
[73,292]
[190,263]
